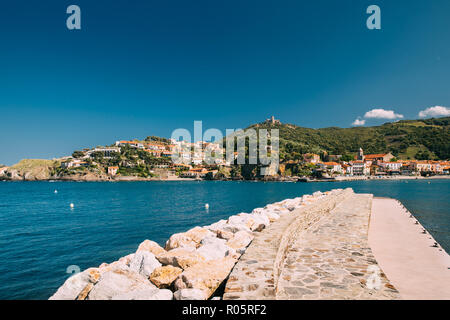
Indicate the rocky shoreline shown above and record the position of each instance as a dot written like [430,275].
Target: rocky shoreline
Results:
[191,266]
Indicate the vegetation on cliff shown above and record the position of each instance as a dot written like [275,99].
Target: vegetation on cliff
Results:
[406,139]
[33,169]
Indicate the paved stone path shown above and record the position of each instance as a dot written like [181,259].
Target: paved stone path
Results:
[256,274]
[332,259]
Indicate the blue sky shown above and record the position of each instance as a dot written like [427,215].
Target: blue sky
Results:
[139,68]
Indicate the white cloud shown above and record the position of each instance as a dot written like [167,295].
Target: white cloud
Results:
[436,111]
[382,114]
[359,122]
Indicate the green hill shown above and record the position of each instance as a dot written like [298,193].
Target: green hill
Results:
[406,139]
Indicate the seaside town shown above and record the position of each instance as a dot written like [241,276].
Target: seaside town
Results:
[364,165]
[152,159]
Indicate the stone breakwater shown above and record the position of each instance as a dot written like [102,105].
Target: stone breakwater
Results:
[193,264]
[318,252]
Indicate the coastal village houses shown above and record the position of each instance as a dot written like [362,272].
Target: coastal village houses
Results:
[107,152]
[112,171]
[75,163]
[332,166]
[359,168]
[194,165]
[311,158]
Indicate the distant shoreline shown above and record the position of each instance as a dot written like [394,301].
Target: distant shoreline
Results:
[374,178]
[138,179]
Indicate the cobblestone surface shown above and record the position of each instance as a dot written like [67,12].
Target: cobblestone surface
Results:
[329,259]
[332,260]
[255,275]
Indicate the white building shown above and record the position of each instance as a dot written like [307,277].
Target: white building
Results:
[133,144]
[391,166]
[332,166]
[359,168]
[75,163]
[108,152]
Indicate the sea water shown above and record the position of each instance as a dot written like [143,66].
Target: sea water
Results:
[43,239]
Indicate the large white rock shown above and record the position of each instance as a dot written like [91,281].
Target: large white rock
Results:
[145,294]
[216,226]
[211,240]
[144,262]
[289,204]
[224,234]
[116,265]
[282,211]
[240,241]
[206,276]
[117,282]
[213,248]
[317,194]
[272,207]
[258,210]
[183,257]
[190,238]
[261,221]
[236,227]
[151,246]
[73,286]
[190,294]
[242,217]
[240,222]
[272,215]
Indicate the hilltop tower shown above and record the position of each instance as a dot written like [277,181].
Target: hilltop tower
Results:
[272,120]
[361,154]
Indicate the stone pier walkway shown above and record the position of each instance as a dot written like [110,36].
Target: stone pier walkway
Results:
[326,257]
[333,260]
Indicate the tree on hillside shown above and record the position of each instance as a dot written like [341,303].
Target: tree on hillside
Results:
[347,157]
[422,155]
[78,154]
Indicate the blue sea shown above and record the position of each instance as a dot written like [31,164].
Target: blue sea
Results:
[41,236]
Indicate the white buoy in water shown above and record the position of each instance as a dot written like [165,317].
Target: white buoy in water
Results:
[207,206]
[56,191]
[72,205]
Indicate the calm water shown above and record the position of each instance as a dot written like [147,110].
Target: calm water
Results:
[40,236]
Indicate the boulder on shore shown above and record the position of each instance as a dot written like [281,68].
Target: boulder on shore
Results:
[272,215]
[206,276]
[190,294]
[216,226]
[116,265]
[236,227]
[261,222]
[226,235]
[163,277]
[243,219]
[118,282]
[181,257]
[151,246]
[144,262]
[213,248]
[240,241]
[190,238]
[77,283]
